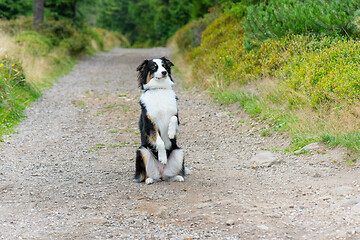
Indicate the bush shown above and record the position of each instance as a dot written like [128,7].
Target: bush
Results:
[219,51]
[278,18]
[15,92]
[189,37]
[328,76]
[11,9]
[306,84]
[45,54]
[34,43]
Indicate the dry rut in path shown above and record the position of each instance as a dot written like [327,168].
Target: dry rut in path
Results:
[68,172]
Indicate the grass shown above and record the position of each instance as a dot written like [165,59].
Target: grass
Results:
[32,59]
[305,85]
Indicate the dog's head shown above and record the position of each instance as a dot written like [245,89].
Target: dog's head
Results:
[155,73]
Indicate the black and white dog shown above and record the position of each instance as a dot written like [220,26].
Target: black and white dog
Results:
[159,157]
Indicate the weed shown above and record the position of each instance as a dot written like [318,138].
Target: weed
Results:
[351,162]
[266,133]
[97,147]
[80,103]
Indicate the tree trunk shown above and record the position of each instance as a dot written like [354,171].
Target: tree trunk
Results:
[38,12]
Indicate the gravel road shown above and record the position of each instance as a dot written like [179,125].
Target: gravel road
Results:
[67,173]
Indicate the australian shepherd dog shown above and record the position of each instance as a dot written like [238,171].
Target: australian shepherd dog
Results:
[159,157]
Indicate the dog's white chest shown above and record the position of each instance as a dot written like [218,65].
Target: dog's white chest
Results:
[160,105]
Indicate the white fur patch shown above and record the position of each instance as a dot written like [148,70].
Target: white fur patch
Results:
[175,163]
[156,171]
[149,181]
[177,178]
[173,127]
[161,106]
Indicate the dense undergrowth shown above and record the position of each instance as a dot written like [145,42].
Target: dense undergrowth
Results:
[31,59]
[305,82]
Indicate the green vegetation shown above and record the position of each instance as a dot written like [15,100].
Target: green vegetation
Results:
[297,72]
[30,59]
[16,93]
[152,22]
[278,18]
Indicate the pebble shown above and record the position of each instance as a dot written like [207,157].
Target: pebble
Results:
[263,159]
[356,209]
[342,191]
[310,147]
[94,220]
[230,222]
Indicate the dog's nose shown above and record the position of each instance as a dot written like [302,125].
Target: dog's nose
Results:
[164,73]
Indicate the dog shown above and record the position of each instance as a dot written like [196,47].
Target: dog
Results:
[159,157]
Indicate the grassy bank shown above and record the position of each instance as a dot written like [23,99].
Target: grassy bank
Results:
[305,83]
[31,59]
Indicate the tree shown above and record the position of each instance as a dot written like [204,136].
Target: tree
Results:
[11,9]
[38,12]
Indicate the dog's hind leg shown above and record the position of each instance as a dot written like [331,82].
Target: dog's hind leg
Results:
[140,170]
[174,170]
[152,166]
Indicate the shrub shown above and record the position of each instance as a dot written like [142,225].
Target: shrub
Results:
[34,43]
[15,92]
[278,18]
[45,54]
[219,51]
[189,37]
[327,76]
[306,84]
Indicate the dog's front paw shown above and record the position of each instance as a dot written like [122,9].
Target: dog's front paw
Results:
[149,181]
[173,126]
[172,133]
[163,157]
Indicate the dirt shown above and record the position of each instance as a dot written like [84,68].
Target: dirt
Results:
[67,173]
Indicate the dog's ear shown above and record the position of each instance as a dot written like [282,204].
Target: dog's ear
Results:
[141,70]
[142,66]
[167,62]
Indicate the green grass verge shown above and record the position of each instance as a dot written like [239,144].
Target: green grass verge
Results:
[31,59]
[306,85]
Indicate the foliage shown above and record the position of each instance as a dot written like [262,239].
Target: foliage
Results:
[15,92]
[152,22]
[11,9]
[39,57]
[307,85]
[56,9]
[149,22]
[189,36]
[278,18]
[327,76]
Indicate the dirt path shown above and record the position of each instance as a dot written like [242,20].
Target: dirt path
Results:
[68,172]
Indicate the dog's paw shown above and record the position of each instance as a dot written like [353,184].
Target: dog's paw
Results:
[178,178]
[172,133]
[149,181]
[163,157]
[173,127]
